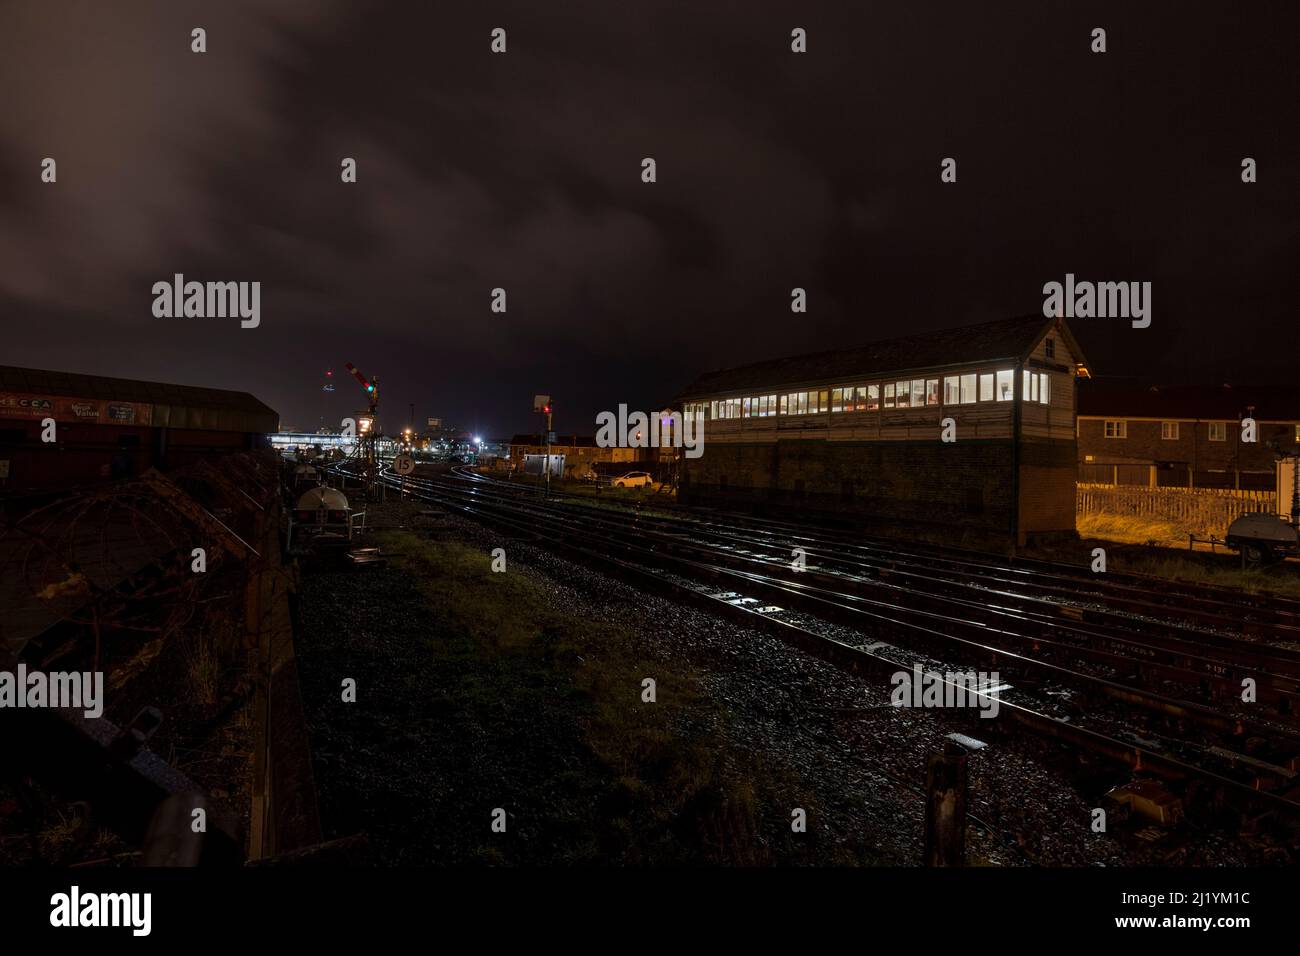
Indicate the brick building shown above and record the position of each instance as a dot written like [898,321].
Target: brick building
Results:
[859,432]
[111,428]
[580,452]
[1185,436]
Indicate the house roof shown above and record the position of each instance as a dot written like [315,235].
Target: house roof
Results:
[1101,398]
[174,406]
[1001,340]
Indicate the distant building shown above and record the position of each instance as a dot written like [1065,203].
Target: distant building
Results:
[106,428]
[1184,436]
[580,454]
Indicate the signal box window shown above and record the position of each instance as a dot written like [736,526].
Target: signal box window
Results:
[951,390]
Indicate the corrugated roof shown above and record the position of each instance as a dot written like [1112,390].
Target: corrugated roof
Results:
[1102,398]
[182,406]
[1003,339]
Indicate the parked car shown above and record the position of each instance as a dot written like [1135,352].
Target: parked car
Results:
[634,479]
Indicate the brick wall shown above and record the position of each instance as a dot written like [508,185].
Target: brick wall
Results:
[965,483]
[1191,451]
[1047,486]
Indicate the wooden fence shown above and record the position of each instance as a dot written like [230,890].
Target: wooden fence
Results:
[1208,510]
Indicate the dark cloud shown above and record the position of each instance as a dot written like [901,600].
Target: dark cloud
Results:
[522,171]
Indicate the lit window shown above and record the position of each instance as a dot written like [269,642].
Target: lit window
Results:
[1045,388]
[1030,383]
[823,399]
[744,405]
[803,403]
[918,393]
[873,403]
[968,388]
[1006,383]
[1218,431]
[889,394]
[903,394]
[986,387]
[1169,431]
[951,390]
[932,391]
[771,405]
[837,399]
[1297,433]
[785,404]
[1117,429]
[860,402]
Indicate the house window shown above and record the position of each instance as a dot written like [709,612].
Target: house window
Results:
[968,388]
[1049,348]
[1029,380]
[1045,389]
[873,400]
[837,399]
[1117,429]
[932,391]
[785,404]
[903,394]
[1006,384]
[823,399]
[1169,431]
[889,394]
[951,390]
[918,393]
[986,387]
[1218,431]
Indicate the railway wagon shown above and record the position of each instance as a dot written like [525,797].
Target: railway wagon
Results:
[969,428]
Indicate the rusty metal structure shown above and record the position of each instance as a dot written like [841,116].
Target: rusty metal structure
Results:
[108,579]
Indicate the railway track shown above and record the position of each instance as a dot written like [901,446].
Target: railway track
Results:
[994,614]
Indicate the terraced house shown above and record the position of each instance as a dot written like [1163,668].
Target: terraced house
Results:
[1185,436]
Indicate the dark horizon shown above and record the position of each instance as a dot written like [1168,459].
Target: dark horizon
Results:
[522,171]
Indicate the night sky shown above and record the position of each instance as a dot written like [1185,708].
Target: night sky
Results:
[522,170]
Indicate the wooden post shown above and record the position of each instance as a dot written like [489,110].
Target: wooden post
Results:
[945,808]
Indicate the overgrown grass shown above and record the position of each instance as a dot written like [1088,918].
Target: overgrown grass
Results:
[656,779]
[1171,558]
[1132,529]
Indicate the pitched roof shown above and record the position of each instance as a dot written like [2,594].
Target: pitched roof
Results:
[175,406]
[1000,340]
[1119,399]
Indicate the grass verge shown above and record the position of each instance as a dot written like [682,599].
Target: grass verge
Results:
[610,777]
